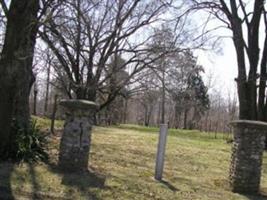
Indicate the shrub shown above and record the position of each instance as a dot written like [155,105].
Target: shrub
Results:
[29,145]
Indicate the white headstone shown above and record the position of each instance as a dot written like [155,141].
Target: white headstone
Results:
[161,151]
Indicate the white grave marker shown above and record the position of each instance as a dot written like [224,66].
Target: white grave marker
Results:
[161,151]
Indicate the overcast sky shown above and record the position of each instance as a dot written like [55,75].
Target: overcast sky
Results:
[222,67]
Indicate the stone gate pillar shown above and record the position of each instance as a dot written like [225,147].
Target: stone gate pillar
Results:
[247,152]
[76,139]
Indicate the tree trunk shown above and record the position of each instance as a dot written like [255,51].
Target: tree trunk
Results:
[16,77]
[47,88]
[146,116]
[53,116]
[125,111]
[35,92]
[185,119]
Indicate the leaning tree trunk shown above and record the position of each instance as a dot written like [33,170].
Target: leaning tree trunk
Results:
[16,77]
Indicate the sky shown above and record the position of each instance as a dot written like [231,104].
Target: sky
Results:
[222,68]
[220,65]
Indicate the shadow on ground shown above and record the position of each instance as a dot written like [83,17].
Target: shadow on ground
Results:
[261,196]
[169,185]
[257,197]
[5,183]
[82,181]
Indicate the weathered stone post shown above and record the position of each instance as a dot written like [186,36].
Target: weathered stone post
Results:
[247,152]
[76,139]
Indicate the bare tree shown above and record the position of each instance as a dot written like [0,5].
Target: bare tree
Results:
[49,59]
[84,35]
[164,40]
[245,25]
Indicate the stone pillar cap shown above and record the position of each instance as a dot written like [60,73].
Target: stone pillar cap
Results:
[78,104]
[249,123]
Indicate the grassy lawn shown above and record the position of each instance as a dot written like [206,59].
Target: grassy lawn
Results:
[122,167]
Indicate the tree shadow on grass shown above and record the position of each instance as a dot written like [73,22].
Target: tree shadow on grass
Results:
[6,192]
[35,185]
[257,197]
[82,181]
[261,196]
[5,181]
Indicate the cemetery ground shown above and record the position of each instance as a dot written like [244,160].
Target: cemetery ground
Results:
[122,161]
